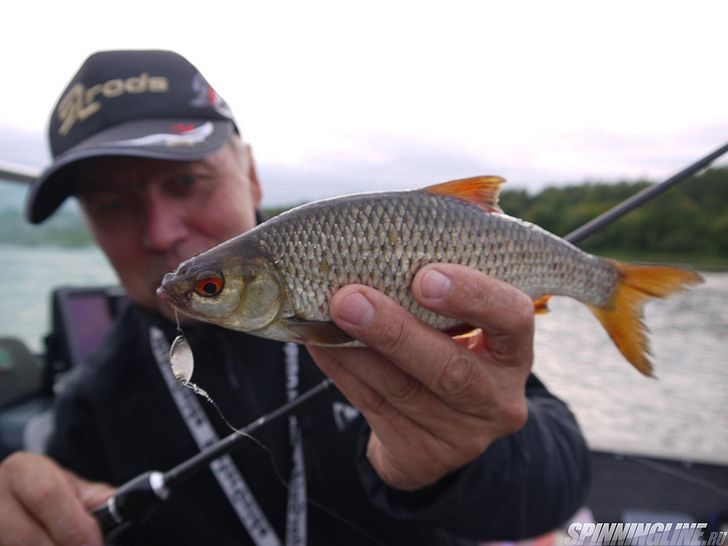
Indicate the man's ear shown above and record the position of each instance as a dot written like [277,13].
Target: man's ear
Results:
[255,188]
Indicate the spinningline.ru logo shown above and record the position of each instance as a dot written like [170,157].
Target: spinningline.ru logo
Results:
[643,534]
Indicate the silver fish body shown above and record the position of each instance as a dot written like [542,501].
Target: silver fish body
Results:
[277,280]
[381,240]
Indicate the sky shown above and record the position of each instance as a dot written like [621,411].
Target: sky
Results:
[337,97]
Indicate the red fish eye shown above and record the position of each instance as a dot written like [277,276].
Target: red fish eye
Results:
[209,285]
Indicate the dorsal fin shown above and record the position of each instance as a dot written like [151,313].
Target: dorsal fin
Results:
[481,190]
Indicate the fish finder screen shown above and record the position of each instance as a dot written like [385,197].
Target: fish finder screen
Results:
[89,321]
[81,318]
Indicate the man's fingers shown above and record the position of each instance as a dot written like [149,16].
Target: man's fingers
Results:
[393,430]
[433,402]
[19,527]
[388,388]
[91,494]
[44,490]
[431,357]
[504,313]
[364,398]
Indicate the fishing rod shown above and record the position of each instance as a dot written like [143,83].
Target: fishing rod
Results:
[17,173]
[642,197]
[136,500]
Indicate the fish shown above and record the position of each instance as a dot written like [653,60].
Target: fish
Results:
[277,279]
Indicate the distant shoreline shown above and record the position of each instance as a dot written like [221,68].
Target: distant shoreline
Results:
[698,262]
[687,225]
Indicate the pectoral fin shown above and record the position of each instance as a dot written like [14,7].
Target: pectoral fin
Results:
[461,330]
[317,332]
[540,305]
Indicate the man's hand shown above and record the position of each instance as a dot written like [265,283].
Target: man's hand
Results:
[42,504]
[434,404]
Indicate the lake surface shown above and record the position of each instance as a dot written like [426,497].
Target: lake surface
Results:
[683,413]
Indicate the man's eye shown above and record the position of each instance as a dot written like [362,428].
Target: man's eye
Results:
[188,185]
[188,179]
[185,182]
[108,207]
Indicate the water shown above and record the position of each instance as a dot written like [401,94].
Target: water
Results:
[30,273]
[684,413]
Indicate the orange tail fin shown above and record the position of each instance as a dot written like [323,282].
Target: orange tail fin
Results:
[622,317]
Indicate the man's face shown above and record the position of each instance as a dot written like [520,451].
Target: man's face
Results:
[149,215]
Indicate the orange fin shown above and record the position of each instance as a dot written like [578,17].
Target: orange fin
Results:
[317,333]
[622,317]
[470,333]
[460,330]
[471,340]
[481,190]
[540,305]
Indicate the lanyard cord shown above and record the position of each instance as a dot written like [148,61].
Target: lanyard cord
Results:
[296,515]
[224,469]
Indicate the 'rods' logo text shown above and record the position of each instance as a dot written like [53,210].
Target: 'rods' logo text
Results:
[80,103]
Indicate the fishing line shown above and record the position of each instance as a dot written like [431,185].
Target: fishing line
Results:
[176,318]
[182,361]
[309,500]
[680,475]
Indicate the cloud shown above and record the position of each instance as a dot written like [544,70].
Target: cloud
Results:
[387,162]
[382,163]
[23,147]
[347,161]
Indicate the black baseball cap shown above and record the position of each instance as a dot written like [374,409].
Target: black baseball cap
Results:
[149,103]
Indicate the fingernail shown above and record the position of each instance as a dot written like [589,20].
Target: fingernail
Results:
[356,309]
[434,284]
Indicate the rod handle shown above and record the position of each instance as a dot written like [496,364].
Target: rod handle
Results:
[133,501]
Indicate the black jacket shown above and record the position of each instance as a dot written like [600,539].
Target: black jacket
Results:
[117,419]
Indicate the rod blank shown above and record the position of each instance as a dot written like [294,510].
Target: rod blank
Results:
[642,197]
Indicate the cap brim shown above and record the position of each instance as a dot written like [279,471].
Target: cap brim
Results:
[172,139]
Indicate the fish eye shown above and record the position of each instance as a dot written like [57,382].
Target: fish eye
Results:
[209,284]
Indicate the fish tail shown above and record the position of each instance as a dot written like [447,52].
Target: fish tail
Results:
[622,316]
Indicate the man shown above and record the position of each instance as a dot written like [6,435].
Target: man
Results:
[453,443]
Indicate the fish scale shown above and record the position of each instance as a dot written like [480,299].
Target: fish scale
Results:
[276,280]
[430,229]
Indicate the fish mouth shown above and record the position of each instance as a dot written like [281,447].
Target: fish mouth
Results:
[162,293]
[174,291]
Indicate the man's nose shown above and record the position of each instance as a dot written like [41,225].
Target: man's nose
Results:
[165,224]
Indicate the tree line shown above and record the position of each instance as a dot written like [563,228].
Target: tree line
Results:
[690,219]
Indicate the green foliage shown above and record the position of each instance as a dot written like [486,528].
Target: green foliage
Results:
[688,220]
[65,228]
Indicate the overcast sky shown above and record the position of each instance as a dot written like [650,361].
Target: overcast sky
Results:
[349,96]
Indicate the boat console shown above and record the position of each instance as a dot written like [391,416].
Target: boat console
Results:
[80,317]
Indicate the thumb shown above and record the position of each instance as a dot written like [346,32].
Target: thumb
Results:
[91,494]
[94,495]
